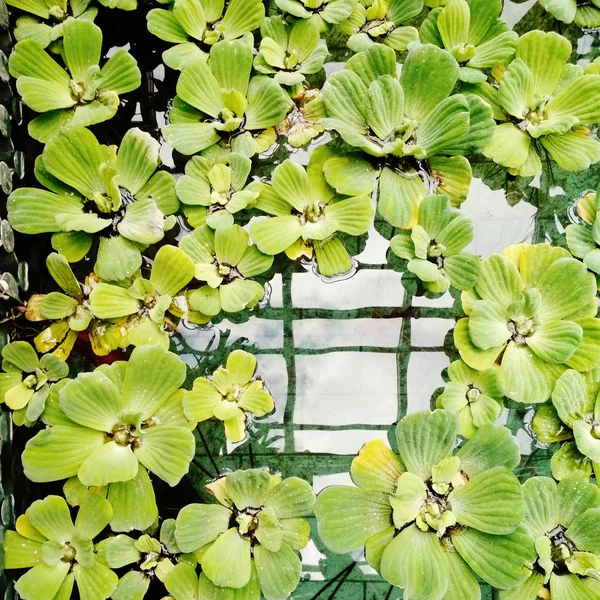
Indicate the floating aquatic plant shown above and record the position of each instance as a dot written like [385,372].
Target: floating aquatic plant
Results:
[110,425]
[434,247]
[84,94]
[59,554]
[249,541]
[321,12]
[194,26]
[97,191]
[218,102]
[227,263]
[585,13]
[213,193]
[475,395]
[289,54]
[26,380]
[544,104]
[308,215]
[145,302]
[472,31]
[229,394]
[408,125]
[560,519]
[433,519]
[382,21]
[533,312]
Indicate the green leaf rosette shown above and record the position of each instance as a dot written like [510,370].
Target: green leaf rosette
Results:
[59,554]
[433,520]
[434,247]
[562,520]
[194,26]
[583,13]
[322,12]
[308,215]
[82,95]
[98,192]
[532,312]
[26,380]
[472,31]
[110,427]
[413,132]
[544,105]
[219,103]
[229,394]
[248,543]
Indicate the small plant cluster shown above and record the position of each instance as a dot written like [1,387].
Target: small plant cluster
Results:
[428,85]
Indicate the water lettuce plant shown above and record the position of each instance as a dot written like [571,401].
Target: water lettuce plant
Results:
[227,263]
[583,239]
[152,556]
[381,21]
[44,21]
[476,396]
[472,31]
[213,193]
[532,311]
[26,380]
[194,26]
[322,12]
[407,125]
[434,247]
[112,424]
[57,553]
[561,519]
[308,216]
[544,105]
[585,13]
[98,192]
[572,419]
[289,54]
[82,95]
[145,302]
[249,541]
[433,519]
[218,102]
[231,394]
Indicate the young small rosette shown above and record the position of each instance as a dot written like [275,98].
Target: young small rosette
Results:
[562,519]
[476,396]
[213,193]
[194,26]
[82,95]
[97,191]
[585,13]
[26,380]
[145,302]
[532,312]
[433,247]
[218,102]
[147,557]
[321,12]
[433,520]
[572,419]
[289,54]
[70,313]
[226,261]
[45,21]
[583,239]
[110,425]
[410,125]
[57,553]
[543,104]
[382,22]
[230,394]
[249,542]
[308,216]
[472,31]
